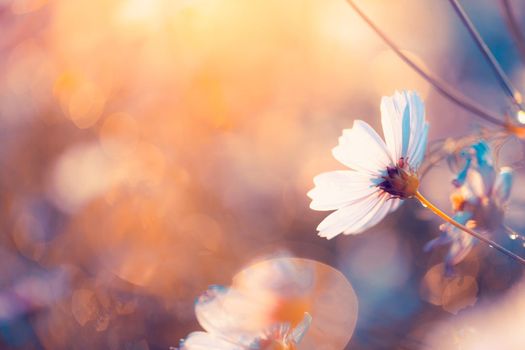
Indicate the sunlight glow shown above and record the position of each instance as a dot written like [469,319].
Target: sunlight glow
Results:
[521,117]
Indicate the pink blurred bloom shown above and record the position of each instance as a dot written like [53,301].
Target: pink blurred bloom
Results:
[227,315]
[264,309]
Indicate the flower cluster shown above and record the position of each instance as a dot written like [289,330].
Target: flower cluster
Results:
[478,201]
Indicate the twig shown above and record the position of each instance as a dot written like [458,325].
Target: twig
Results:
[442,87]
[504,81]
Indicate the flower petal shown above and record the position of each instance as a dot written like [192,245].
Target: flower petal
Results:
[484,165]
[341,219]
[300,330]
[503,185]
[356,217]
[230,314]
[418,130]
[459,249]
[376,214]
[442,239]
[461,243]
[476,184]
[416,157]
[404,126]
[395,119]
[461,177]
[339,188]
[396,203]
[362,149]
[207,341]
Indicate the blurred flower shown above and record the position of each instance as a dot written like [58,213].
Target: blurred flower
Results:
[272,304]
[452,292]
[479,201]
[382,175]
[236,330]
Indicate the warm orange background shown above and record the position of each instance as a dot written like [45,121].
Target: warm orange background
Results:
[150,148]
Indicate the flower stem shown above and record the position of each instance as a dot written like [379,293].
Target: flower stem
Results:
[473,233]
[489,57]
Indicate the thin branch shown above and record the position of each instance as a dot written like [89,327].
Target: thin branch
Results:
[427,204]
[442,87]
[513,26]
[487,54]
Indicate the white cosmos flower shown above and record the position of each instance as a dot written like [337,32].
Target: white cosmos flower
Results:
[382,173]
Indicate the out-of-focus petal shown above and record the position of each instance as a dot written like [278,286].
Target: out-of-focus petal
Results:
[461,177]
[460,242]
[484,164]
[207,341]
[285,277]
[229,313]
[476,183]
[503,185]
[459,248]
[339,188]
[362,149]
[299,332]
[333,306]
[478,172]
[483,154]
[442,239]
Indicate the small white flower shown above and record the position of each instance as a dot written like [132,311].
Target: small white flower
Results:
[381,174]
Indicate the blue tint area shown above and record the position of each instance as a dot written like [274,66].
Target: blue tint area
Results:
[492,28]
[17,333]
